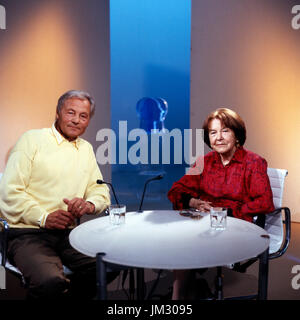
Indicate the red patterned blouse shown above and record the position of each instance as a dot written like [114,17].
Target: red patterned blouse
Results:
[242,185]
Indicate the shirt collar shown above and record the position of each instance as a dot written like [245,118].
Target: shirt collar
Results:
[237,157]
[60,138]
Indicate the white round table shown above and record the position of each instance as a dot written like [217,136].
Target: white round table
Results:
[163,239]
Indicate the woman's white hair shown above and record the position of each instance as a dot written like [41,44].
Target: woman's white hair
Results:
[76,94]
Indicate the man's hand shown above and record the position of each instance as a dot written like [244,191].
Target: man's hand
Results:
[200,204]
[59,219]
[78,207]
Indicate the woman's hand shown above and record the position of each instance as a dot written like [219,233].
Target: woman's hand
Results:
[200,204]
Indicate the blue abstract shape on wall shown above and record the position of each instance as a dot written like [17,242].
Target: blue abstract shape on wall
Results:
[152,113]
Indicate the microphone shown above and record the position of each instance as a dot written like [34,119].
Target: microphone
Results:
[159,177]
[112,188]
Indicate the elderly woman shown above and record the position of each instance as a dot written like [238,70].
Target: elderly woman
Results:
[230,176]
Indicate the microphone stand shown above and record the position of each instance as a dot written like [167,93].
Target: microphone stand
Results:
[159,177]
[140,272]
[112,188]
[125,271]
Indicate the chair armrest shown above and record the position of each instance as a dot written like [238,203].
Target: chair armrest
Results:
[242,267]
[104,213]
[287,222]
[3,240]
[259,220]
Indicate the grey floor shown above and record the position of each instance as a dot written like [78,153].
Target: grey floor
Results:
[235,284]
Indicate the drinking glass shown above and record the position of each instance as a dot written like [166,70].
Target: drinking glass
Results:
[218,218]
[117,214]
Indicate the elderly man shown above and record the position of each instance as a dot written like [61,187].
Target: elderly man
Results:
[49,182]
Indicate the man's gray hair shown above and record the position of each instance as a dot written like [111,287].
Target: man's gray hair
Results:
[76,94]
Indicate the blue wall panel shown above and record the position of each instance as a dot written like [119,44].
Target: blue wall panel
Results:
[150,57]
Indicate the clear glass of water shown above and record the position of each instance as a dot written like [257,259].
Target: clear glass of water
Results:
[117,214]
[218,218]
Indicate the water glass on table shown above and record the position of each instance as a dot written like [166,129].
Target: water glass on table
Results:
[117,214]
[218,218]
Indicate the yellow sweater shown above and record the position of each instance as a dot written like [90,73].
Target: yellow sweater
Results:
[42,170]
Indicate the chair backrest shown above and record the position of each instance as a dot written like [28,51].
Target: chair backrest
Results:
[274,224]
